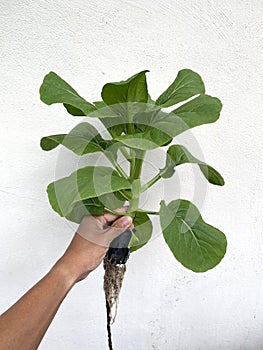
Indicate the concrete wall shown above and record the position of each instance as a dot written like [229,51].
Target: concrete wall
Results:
[162,305]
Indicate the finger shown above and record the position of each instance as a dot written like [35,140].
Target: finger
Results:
[122,222]
[119,226]
[111,217]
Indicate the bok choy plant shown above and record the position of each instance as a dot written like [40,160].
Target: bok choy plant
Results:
[135,124]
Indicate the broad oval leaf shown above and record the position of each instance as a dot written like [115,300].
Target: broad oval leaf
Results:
[203,109]
[95,206]
[48,143]
[133,89]
[195,244]
[82,139]
[142,233]
[85,183]
[178,154]
[146,137]
[76,112]
[113,122]
[187,84]
[127,97]
[145,141]
[55,90]
[91,206]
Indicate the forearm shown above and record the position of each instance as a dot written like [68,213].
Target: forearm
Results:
[25,323]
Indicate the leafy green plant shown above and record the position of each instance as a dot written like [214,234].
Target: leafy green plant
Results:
[136,124]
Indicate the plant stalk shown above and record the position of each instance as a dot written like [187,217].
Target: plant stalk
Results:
[130,125]
[124,195]
[119,169]
[125,153]
[149,212]
[135,172]
[151,182]
[115,163]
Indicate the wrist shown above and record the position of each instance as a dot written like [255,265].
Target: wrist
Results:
[81,258]
[67,273]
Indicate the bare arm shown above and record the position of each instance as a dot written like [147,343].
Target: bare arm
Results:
[25,323]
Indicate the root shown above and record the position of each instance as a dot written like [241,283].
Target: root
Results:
[115,268]
[109,326]
[113,278]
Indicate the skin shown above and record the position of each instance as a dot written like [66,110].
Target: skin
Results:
[25,323]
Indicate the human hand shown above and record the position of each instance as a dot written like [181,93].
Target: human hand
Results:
[91,242]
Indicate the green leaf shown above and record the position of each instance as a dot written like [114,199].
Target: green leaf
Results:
[145,141]
[147,137]
[115,125]
[186,84]
[113,122]
[48,143]
[91,206]
[95,206]
[99,104]
[143,231]
[162,129]
[82,139]
[73,110]
[85,183]
[127,97]
[104,111]
[177,155]
[203,109]
[55,90]
[195,244]
[133,89]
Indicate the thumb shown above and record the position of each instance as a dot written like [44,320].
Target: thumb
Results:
[119,226]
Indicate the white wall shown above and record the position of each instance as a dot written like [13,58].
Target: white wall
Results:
[162,305]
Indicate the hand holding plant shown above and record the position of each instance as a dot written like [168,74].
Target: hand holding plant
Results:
[91,242]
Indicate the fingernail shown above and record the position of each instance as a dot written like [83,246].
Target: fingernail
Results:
[126,221]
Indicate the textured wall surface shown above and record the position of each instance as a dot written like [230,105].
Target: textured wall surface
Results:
[162,305]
